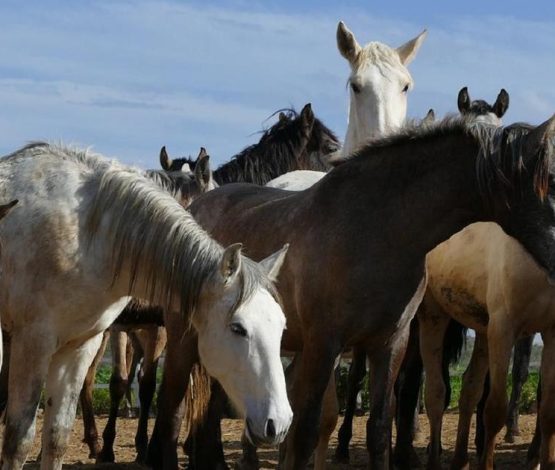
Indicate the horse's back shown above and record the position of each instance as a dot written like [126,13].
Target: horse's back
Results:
[234,197]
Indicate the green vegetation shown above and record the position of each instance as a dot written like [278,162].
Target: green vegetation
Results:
[527,403]
[528,397]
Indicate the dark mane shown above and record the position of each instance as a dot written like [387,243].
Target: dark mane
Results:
[279,150]
[500,162]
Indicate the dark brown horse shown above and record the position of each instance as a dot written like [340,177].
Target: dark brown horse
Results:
[408,387]
[298,141]
[367,218]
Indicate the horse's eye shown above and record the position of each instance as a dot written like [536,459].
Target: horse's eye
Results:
[355,88]
[406,89]
[238,329]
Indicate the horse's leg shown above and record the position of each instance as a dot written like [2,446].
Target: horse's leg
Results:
[24,390]
[357,371]
[472,387]
[181,355]
[433,325]
[312,376]
[500,343]
[249,459]
[86,399]
[133,361]
[328,421]
[407,392]
[521,362]
[479,438]
[5,371]
[533,454]
[118,385]
[66,375]
[384,365]
[153,345]
[546,410]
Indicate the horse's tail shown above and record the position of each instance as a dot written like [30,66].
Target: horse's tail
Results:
[197,397]
[453,344]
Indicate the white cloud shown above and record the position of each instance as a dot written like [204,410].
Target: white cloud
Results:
[129,77]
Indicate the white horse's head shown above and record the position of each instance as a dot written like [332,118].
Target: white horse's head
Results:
[241,349]
[379,84]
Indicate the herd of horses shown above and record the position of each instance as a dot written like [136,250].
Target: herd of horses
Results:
[390,244]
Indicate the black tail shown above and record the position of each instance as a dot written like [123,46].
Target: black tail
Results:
[453,344]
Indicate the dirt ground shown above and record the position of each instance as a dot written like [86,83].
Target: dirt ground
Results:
[508,456]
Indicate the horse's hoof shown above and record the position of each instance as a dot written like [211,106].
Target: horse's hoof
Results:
[246,465]
[341,456]
[459,465]
[106,456]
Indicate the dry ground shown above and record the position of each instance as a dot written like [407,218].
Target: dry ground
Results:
[509,456]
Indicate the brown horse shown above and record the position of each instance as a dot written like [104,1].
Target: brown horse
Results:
[408,387]
[368,217]
[297,141]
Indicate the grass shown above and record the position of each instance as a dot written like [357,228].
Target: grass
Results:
[101,396]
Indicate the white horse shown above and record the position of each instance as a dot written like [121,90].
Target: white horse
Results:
[87,234]
[379,83]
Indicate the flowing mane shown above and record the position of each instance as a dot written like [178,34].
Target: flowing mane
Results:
[152,232]
[277,152]
[500,161]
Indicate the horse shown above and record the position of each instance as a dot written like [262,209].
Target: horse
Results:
[487,281]
[298,141]
[482,110]
[408,388]
[88,234]
[368,216]
[149,336]
[379,84]
[184,186]
[523,348]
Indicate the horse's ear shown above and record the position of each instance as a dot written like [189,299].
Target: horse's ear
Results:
[165,160]
[430,117]
[273,263]
[5,208]
[347,43]
[537,137]
[463,100]
[307,116]
[407,52]
[282,117]
[230,264]
[203,174]
[501,103]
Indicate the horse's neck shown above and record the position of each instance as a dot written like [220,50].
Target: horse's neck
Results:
[353,136]
[359,131]
[253,167]
[428,191]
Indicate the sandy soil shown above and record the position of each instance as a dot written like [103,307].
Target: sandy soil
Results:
[508,456]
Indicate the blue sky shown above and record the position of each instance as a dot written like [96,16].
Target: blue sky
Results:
[127,77]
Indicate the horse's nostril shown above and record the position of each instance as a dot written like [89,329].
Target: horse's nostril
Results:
[270,429]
